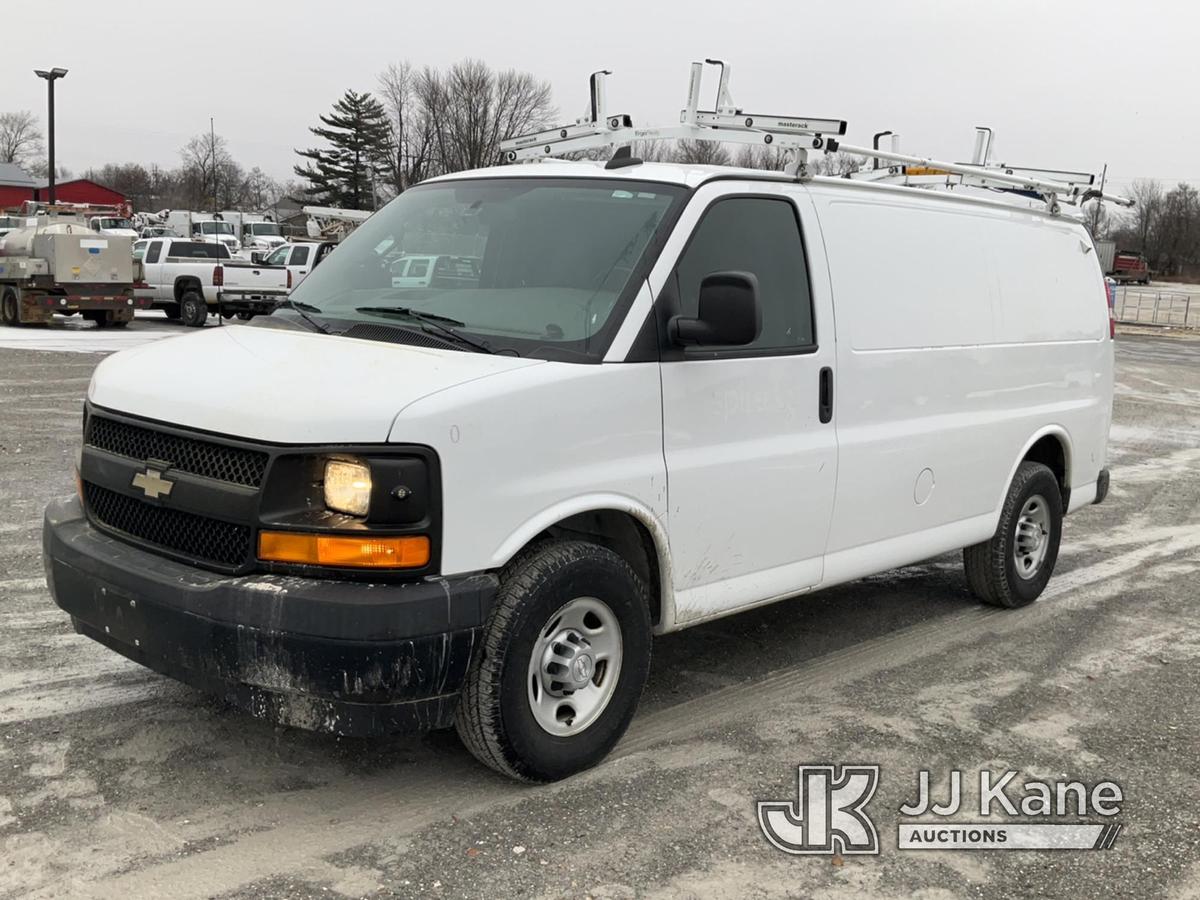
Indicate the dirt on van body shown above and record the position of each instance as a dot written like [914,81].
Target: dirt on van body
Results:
[115,782]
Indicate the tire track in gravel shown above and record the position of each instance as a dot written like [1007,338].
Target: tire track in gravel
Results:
[370,811]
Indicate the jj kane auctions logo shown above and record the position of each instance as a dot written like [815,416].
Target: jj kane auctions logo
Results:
[829,815]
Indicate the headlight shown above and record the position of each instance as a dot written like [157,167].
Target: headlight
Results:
[347,487]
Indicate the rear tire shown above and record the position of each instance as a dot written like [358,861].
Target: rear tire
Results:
[558,594]
[193,311]
[10,310]
[1012,568]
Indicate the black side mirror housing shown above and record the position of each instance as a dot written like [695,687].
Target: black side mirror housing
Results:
[729,312]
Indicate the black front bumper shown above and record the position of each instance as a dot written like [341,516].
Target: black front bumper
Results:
[342,657]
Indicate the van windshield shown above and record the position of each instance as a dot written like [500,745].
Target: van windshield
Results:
[536,266]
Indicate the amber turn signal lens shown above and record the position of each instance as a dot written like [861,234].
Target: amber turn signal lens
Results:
[407,552]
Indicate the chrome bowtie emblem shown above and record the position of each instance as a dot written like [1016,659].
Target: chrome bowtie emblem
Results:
[153,484]
[583,668]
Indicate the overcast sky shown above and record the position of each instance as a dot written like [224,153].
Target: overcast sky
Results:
[1065,83]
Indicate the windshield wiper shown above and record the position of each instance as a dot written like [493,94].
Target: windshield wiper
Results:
[412,314]
[304,309]
[443,324]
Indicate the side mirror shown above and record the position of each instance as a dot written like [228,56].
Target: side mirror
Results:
[256,257]
[729,312]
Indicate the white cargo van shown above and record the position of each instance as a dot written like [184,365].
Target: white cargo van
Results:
[667,394]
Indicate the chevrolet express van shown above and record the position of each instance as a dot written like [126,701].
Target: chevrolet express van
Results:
[665,394]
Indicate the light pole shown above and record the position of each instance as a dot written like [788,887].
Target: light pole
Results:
[51,77]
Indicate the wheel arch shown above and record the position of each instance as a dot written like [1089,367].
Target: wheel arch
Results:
[1050,445]
[185,283]
[624,525]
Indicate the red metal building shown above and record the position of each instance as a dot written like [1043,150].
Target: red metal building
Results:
[79,190]
[16,185]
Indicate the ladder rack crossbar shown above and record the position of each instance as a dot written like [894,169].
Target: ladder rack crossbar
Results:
[1028,181]
[518,149]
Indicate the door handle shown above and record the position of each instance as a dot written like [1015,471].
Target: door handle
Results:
[825,396]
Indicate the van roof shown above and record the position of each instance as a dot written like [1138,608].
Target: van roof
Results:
[694,175]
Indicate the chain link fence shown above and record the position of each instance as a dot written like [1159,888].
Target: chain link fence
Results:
[1146,306]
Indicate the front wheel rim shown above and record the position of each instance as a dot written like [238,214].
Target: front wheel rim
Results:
[574,667]
[1031,537]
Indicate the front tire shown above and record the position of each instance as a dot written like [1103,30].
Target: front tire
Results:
[562,663]
[193,311]
[1012,568]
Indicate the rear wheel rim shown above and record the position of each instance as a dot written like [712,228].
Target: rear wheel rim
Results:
[1031,537]
[574,667]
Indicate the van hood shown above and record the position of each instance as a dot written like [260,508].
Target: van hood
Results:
[283,386]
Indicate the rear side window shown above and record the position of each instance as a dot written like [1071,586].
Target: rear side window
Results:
[417,268]
[154,251]
[299,256]
[761,236]
[198,250]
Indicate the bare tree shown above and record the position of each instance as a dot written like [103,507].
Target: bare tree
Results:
[763,156]
[1147,196]
[470,110]
[210,176]
[838,164]
[653,151]
[1096,219]
[704,153]
[20,139]
[407,156]
[1178,230]
[260,190]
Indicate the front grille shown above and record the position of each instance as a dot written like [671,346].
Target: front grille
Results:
[211,460]
[197,537]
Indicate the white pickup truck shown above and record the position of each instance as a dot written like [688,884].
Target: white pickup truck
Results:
[189,279]
[300,258]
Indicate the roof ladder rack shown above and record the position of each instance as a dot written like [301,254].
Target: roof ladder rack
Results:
[728,123]
[1051,185]
[725,123]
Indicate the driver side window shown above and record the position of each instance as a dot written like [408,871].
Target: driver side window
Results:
[759,235]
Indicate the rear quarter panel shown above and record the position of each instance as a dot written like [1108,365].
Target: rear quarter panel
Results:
[965,330]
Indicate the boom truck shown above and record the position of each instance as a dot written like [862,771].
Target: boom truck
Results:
[55,263]
[208,228]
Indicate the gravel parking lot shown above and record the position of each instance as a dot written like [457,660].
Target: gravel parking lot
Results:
[118,783]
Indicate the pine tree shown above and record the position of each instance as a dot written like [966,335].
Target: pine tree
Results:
[344,175]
